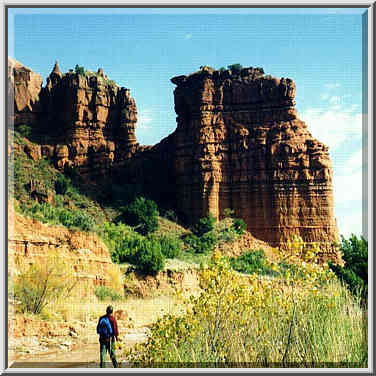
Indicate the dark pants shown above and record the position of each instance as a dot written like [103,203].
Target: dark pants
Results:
[107,346]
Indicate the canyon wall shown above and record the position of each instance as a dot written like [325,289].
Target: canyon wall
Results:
[238,144]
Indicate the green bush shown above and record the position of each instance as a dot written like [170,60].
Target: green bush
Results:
[142,214]
[170,246]
[79,70]
[24,130]
[201,244]
[239,226]
[48,213]
[122,241]
[355,271]
[235,67]
[104,292]
[150,259]
[61,185]
[251,262]
[204,225]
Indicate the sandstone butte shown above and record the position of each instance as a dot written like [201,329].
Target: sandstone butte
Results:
[238,144]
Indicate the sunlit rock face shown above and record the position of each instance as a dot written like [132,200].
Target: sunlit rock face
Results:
[86,122]
[239,144]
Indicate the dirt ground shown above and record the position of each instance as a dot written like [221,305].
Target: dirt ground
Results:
[79,355]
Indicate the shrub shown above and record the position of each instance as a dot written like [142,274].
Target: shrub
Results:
[279,322]
[201,244]
[228,213]
[104,292]
[355,272]
[150,259]
[251,262]
[235,67]
[79,70]
[43,283]
[24,130]
[239,226]
[204,225]
[142,214]
[170,245]
[61,185]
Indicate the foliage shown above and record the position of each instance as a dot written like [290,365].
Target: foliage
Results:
[204,225]
[126,245]
[24,130]
[298,319]
[222,69]
[235,67]
[200,244]
[251,262]
[228,213]
[79,70]
[149,257]
[142,214]
[355,272]
[104,292]
[48,213]
[44,282]
[170,245]
[61,185]
[239,226]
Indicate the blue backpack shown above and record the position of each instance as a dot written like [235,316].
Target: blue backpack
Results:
[104,328]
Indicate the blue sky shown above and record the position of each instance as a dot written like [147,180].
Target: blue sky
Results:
[320,49]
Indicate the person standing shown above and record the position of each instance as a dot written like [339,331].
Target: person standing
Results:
[108,334]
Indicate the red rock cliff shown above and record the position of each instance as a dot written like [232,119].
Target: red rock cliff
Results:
[240,145]
[81,121]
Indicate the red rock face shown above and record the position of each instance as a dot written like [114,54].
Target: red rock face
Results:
[85,122]
[240,145]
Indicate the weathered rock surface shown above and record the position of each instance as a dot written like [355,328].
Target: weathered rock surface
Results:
[240,145]
[30,241]
[24,87]
[81,121]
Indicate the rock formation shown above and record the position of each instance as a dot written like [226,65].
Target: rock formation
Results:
[24,87]
[81,121]
[240,145]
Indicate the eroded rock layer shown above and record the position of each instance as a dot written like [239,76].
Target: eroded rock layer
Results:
[240,145]
[82,121]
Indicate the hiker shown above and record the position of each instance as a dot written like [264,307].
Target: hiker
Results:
[108,332]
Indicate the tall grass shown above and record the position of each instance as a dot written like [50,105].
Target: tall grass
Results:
[306,320]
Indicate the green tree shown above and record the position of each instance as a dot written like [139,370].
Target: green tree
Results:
[355,271]
[79,70]
[142,214]
[204,225]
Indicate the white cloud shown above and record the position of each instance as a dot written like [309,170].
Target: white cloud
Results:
[188,36]
[333,126]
